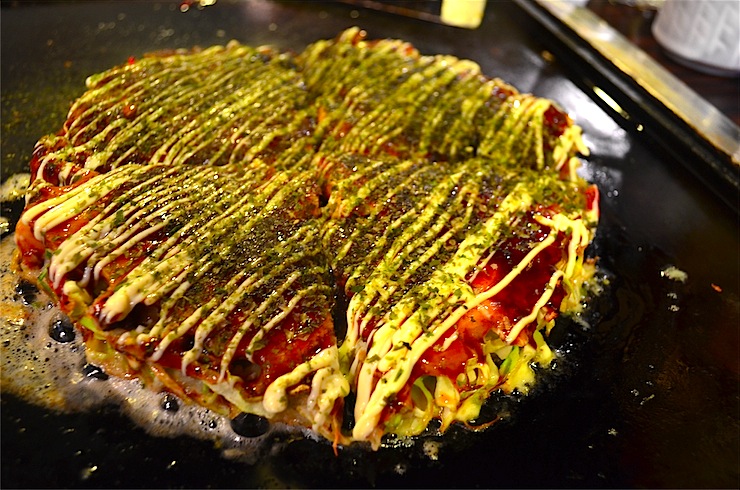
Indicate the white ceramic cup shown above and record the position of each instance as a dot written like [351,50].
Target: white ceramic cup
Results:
[703,34]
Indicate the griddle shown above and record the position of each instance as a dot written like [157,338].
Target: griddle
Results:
[646,395]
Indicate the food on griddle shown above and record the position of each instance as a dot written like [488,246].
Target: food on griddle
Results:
[283,235]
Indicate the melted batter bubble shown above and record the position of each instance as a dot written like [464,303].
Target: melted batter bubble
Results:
[92,371]
[27,291]
[170,403]
[62,330]
[250,425]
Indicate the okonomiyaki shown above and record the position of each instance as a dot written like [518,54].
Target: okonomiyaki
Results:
[357,239]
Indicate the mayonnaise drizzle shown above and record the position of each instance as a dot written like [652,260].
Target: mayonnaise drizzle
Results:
[431,168]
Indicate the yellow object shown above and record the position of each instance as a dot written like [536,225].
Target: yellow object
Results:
[463,13]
